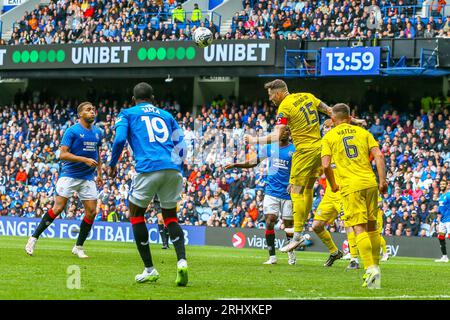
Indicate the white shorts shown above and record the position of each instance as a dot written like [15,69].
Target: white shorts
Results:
[278,207]
[167,184]
[444,227]
[86,189]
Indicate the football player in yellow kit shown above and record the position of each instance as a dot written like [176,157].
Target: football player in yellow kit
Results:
[300,112]
[350,147]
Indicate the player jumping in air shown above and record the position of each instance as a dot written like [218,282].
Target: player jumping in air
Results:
[300,112]
[349,147]
[80,155]
[158,148]
[277,201]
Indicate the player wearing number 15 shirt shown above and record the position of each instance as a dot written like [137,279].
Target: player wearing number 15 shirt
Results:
[158,149]
[299,111]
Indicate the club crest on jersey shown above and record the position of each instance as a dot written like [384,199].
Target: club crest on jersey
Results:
[96,136]
[290,153]
[81,135]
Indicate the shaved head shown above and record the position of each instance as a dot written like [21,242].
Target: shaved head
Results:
[341,111]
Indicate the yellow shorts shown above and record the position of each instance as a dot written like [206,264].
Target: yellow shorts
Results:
[380,220]
[360,207]
[329,209]
[306,164]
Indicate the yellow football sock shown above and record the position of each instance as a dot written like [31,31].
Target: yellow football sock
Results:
[383,244]
[374,237]
[308,195]
[352,245]
[298,204]
[325,236]
[365,249]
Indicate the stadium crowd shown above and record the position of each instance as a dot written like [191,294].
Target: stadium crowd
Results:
[416,147]
[101,21]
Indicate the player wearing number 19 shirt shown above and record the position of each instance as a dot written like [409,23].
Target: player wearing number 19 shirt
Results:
[158,150]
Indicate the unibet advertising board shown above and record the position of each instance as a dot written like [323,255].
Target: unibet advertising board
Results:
[133,55]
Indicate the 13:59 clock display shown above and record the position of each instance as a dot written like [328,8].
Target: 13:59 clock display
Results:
[350,61]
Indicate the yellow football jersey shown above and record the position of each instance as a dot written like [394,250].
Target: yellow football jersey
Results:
[299,111]
[349,147]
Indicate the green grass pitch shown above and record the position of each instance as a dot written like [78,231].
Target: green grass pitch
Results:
[214,273]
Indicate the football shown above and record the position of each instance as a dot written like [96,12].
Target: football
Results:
[202,37]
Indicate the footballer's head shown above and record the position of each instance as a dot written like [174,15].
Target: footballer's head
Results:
[277,91]
[285,134]
[327,125]
[142,92]
[86,111]
[341,113]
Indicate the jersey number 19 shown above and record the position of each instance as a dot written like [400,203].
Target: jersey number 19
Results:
[156,128]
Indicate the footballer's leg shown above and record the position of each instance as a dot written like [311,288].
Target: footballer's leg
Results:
[143,190]
[271,220]
[170,195]
[163,231]
[289,224]
[324,235]
[47,219]
[326,212]
[90,208]
[354,263]
[140,233]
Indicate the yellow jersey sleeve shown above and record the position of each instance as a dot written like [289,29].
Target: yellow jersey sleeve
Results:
[283,113]
[371,141]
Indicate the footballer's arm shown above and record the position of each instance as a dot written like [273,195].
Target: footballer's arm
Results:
[324,108]
[326,164]
[377,155]
[118,145]
[251,163]
[66,155]
[275,136]
[99,170]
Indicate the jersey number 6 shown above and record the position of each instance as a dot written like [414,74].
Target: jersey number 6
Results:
[350,149]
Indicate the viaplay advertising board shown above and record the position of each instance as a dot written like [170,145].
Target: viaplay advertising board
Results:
[134,55]
[108,231]
[254,238]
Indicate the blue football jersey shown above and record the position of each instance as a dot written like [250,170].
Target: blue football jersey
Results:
[84,143]
[444,206]
[154,136]
[280,161]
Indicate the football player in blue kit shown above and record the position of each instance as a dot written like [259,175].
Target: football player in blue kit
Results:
[277,200]
[158,149]
[79,152]
[444,219]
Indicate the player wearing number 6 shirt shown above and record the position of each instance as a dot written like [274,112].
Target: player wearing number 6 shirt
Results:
[80,154]
[350,147]
[158,150]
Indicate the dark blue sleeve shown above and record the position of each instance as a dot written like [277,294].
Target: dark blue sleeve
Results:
[119,141]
